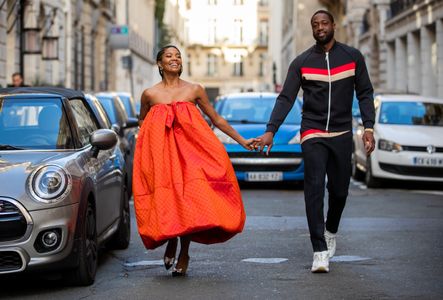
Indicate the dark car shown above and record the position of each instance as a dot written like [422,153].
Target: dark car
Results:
[126,127]
[62,188]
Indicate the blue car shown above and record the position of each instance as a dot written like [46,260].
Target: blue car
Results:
[248,113]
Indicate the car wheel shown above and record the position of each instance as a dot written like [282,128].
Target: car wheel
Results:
[370,180]
[357,174]
[121,238]
[85,272]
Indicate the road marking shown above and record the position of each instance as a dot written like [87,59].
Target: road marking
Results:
[265,260]
[437,193]
[145,263]
[348,258]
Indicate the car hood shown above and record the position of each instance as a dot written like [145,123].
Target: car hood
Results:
[284,134]
[413,135]
[15,167]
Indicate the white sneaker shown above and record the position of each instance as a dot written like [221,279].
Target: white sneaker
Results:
[330,242]
[321,262]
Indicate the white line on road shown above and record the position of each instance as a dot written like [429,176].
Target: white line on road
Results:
[437,193]
[348,258]
[265,260]
[145,263]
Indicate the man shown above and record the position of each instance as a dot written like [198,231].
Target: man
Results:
[328,73]
[17,80]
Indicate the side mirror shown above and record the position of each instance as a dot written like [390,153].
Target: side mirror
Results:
[131,123]
[102,139]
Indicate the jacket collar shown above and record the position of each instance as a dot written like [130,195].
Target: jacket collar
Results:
[318,48]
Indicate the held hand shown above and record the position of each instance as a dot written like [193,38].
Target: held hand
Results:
[250,144]
[368,142]
[266,141]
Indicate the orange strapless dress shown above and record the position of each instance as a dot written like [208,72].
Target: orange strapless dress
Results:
[183,180]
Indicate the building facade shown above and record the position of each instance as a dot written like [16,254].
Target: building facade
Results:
[59,42]
[135,68]
[227,45]
[291,30]
[402,42]
[68,43]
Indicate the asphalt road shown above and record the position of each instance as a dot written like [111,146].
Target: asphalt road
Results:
[389,247]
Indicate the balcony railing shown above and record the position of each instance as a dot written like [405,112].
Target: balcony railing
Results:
[399,6]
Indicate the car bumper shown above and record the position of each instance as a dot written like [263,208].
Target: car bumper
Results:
[404,166]
[285,163]
[22,254]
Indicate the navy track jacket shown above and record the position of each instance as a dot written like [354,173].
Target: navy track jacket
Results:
[328,80]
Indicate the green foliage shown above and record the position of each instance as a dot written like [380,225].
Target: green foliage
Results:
[164,37]
[159,9]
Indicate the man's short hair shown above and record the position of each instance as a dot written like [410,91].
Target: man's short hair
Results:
[17,74]
[322,11]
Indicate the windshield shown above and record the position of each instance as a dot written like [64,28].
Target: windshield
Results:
[411,113]
[128,105]
[108,105]
[33,124]
[255,110]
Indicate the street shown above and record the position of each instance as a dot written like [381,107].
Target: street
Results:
[389,247]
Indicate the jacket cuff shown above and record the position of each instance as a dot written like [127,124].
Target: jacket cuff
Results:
[271,128]
[368,124]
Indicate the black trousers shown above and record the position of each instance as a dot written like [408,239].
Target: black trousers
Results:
[329,156]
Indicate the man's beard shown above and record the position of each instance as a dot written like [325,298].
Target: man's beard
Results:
[326,39]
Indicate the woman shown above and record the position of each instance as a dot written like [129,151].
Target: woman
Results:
[184,184]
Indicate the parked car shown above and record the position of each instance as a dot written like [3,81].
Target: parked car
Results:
[407,131]
[248,113]
[129,104]
[62,189]
[126,127]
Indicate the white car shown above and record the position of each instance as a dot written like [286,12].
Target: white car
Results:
[408,132]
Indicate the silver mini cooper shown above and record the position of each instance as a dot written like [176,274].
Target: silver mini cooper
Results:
[62,183]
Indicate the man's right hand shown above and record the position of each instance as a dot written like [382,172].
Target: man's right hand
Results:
[266,140]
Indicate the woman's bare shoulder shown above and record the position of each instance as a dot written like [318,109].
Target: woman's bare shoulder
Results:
[193,86]
[149,93]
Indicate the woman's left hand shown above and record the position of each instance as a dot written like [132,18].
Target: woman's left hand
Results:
[251,144]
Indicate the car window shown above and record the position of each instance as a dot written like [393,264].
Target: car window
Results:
[411,113]
[355,108]
[107,103]
[85,120]
[255,110]
[120,111]
[101,111]
[34,123]
[126,100]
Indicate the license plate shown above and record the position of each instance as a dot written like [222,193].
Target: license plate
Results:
[428,161]
[264,176]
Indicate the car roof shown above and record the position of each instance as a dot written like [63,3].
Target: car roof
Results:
[67,93]
[249,95]
[112,94]
[407,98]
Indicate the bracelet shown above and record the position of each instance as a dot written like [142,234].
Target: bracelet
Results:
[369,130]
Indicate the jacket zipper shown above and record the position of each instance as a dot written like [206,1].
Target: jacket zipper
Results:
[329,94]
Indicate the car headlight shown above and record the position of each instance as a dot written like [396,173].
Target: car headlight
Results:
[295,139]
[223,137]
[389,146]
[49,183]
